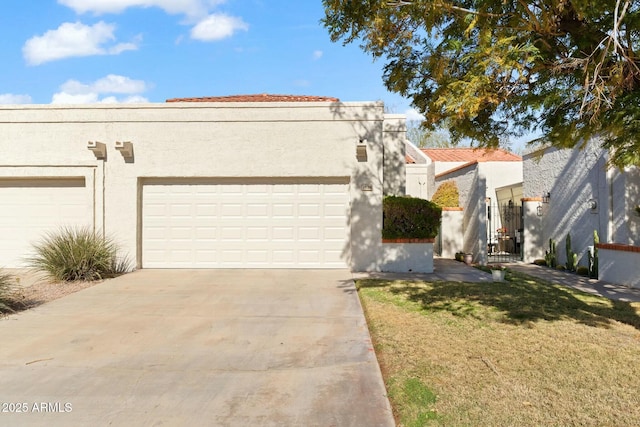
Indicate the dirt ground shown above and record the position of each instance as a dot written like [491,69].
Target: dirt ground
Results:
[34,289]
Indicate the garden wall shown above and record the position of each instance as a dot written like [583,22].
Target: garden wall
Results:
[451,236]
[619,264]
[407,256]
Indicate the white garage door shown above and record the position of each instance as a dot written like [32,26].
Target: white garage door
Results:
[29,208]
[245,225]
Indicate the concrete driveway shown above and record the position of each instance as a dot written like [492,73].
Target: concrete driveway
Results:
[195,347]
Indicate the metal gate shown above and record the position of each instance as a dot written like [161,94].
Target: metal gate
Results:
[504,233]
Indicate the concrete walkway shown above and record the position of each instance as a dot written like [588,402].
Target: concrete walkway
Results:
[592,286]
[195,347]
[455,271]
[443,269]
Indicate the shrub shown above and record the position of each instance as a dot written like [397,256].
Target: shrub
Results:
[9,299]
[410,218]
[446,195]
[550,256]
[77,254]
[540,262]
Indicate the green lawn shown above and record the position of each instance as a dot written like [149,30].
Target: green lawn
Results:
[518,353]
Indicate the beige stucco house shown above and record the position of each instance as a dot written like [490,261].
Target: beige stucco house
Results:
[253,182]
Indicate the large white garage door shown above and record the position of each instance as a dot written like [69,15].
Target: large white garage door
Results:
[245,225]
[29,208]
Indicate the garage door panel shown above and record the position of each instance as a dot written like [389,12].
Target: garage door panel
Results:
[276,225]
[33,207]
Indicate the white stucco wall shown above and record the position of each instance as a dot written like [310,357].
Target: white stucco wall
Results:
[464,179]
[476,182]
[619,266]
[573,178]
[500,174]
[395,134]
[191,140]
[407,258]
[624,222]
[420,176]
[450,239]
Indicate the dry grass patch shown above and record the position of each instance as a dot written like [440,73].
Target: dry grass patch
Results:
[523,352]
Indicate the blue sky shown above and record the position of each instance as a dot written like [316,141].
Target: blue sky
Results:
[89,51]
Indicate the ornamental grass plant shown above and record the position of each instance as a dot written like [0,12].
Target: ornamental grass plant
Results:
[9,298]
[71,254]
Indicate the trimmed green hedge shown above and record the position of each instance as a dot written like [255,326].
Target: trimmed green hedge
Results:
[410,218]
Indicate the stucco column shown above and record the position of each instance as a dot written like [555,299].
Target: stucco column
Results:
[533,238]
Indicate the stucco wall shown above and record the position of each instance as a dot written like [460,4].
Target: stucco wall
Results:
[417,180]
[619,264]
[472,192]
[464,179]
[203,140]
[451,236]
[395,133]
[420,176]
[573,178]
[500,174]
[624,188]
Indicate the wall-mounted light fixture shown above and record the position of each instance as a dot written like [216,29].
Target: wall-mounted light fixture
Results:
[125,148]
[539,210]
[592,204]
[546,197]
[99,149]
[361,150]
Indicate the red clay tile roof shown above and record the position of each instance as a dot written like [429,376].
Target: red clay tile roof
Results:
[466,154]
[409,160]
[264,97]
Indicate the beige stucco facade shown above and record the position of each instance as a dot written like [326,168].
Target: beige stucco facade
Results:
[314,142]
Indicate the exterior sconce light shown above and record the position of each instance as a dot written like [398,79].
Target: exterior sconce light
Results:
[546,197]
[593,204]
[539,210]
[361,150]
[125,148]
[99,149]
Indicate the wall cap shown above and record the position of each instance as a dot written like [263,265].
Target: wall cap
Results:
[408,240]
[531,199]
[618,247]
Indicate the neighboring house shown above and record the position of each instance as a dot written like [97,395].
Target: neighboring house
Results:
[259,181]
[484,178]
[573,191]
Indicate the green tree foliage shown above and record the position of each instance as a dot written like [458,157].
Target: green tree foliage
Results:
[447,195]
[494,69]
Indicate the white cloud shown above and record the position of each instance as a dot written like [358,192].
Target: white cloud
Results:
[413,115]
[118,84]
[191,8]
[10,98]
[217,27]
[317,54]
[75,92]
[67,98]
[73,40]
[128,100]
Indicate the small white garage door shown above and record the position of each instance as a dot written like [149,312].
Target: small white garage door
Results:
[245,224]
[32,207]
